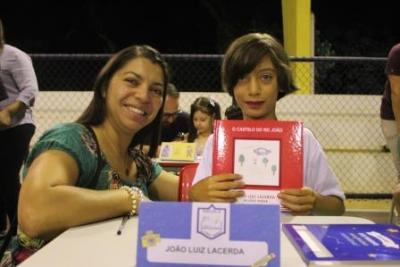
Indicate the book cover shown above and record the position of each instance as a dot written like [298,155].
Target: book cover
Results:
[208,234]
[346,244]
[267,153]
[177,151]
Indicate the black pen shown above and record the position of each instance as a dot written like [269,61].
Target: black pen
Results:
[122,225]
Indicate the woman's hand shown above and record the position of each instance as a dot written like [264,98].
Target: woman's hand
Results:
[298,201]
[217,188]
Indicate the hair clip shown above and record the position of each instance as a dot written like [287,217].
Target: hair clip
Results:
[212,102]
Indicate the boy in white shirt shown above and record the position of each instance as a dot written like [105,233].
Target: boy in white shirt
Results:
[256,73]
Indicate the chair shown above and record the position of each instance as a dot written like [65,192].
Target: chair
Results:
[186,176]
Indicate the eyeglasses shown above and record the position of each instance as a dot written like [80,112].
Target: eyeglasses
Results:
[171,115]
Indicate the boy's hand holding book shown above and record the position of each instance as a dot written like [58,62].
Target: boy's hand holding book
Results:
[298,201]
[218,188]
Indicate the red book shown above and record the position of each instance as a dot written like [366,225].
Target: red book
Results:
[267,153]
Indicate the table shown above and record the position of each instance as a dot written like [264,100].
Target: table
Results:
[99,245]
[174,166]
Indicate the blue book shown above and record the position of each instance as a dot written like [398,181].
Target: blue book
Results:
[208,234]
[346,244]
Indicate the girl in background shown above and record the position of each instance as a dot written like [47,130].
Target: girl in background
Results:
[203,112]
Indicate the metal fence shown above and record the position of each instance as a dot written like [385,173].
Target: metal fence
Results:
[331,75]
[351,87]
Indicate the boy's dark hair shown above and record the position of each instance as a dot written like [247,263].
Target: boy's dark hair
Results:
[246,52]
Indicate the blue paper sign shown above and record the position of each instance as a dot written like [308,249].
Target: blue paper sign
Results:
[208,234]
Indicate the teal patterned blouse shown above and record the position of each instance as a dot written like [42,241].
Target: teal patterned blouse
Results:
[80,143]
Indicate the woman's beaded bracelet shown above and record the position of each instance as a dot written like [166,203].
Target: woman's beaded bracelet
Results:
[136,196]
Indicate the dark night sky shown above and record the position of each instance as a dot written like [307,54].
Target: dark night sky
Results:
[191,26]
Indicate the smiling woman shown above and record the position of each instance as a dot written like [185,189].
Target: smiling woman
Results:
[135,95]
[93,169]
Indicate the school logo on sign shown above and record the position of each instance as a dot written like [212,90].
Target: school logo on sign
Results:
[211,222]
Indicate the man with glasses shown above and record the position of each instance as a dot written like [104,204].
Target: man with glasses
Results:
[175,122]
